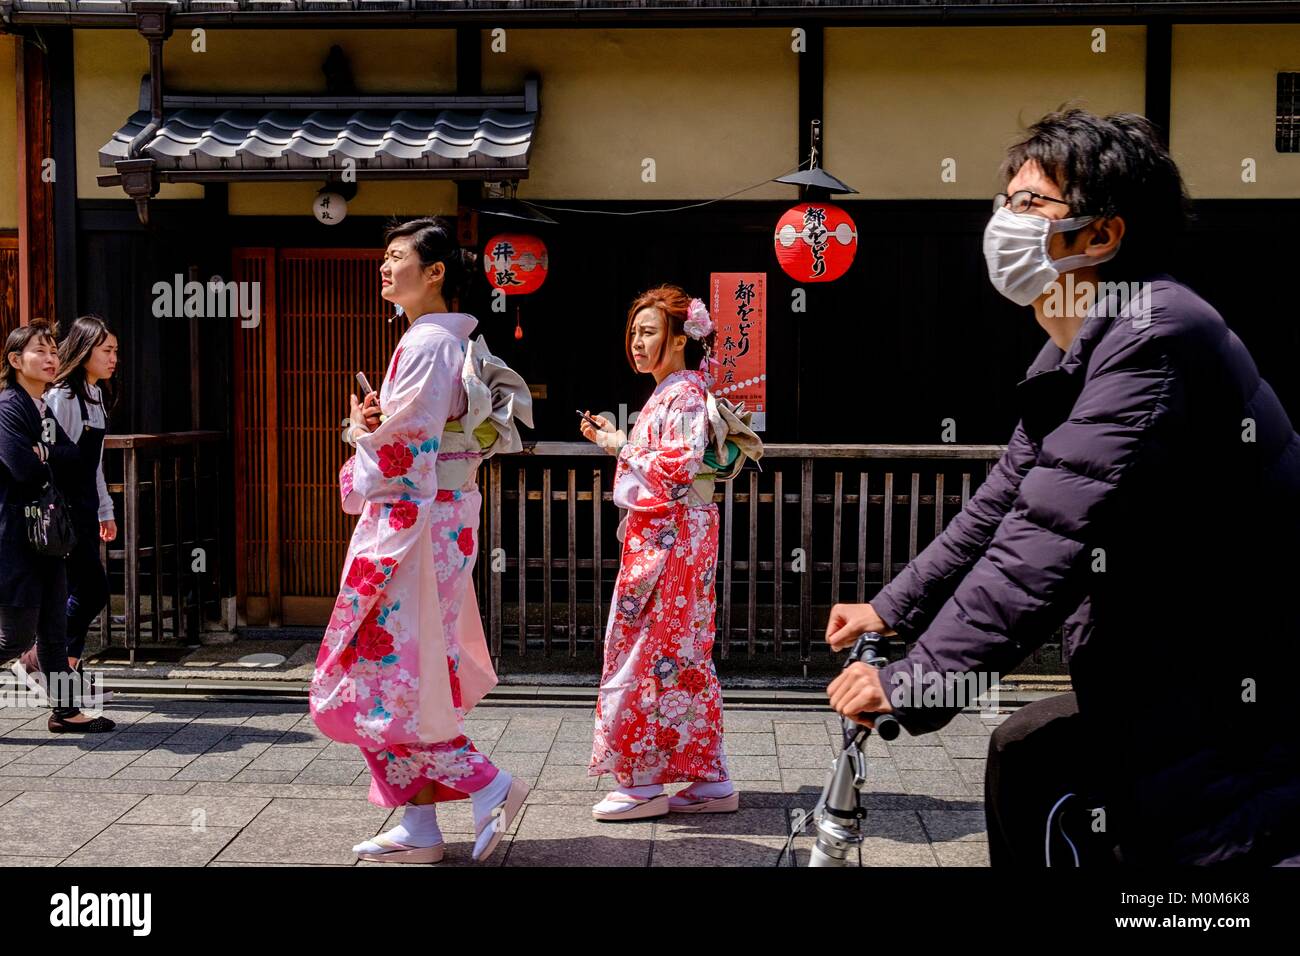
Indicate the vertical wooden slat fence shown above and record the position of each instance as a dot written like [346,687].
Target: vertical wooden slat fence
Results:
[851,504]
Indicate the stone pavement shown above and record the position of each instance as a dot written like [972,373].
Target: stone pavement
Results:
[184,782]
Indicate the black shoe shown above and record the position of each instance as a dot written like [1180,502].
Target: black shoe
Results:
[98,725]
[89,688]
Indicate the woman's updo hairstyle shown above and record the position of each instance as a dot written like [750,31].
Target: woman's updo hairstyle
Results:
[434,240]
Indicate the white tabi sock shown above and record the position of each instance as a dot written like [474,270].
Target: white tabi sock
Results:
[710,791]
[419,828]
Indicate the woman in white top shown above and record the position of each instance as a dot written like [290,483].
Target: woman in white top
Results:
[80,399]
[33,585]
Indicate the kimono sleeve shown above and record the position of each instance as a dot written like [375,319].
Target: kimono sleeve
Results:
[660,471]
[396,461]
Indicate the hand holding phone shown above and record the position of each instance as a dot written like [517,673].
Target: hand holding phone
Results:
[601,431]
[370,413]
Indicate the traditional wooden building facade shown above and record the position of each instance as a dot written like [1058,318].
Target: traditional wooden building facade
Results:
[221,121]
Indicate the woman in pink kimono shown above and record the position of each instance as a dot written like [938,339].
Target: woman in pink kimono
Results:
[659,712]
[404,656]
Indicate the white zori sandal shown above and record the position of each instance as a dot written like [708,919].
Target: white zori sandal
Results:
[622,806]
[684,801]
[384,849]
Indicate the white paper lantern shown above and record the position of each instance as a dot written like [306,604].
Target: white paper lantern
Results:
[330,208]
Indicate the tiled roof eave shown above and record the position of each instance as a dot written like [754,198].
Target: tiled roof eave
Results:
[379,174]
[209,138]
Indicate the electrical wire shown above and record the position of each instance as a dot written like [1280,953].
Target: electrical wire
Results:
[648,212]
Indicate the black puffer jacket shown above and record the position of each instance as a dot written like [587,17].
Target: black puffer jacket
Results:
[1151,493]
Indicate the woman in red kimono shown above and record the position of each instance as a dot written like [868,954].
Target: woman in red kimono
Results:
[659,713]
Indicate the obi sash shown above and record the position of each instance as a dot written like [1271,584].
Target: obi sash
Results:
[496,396]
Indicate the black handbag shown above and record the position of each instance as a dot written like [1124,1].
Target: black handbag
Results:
[49,523]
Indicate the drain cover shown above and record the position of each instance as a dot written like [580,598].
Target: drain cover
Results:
[262,660]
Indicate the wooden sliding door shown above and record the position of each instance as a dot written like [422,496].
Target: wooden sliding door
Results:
[322,321]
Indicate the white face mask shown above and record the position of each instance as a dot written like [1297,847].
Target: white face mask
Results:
[1015,248]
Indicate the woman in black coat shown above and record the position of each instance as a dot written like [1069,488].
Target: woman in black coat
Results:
[33,587]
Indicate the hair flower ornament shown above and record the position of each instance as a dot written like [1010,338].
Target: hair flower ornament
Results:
[699,324]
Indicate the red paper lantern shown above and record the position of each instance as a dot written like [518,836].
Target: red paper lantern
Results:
[515,263]
[816,242]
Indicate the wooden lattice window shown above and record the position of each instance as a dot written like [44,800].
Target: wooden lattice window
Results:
[1288,112]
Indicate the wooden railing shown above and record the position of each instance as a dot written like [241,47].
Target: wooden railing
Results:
[170,551]
[819,524]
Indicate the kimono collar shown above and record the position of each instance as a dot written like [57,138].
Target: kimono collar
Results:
[459,324]
[681,375]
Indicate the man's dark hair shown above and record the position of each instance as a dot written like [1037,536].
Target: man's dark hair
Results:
[1114,165]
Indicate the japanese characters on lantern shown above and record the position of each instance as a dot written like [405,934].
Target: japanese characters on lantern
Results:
[815,242]
[515,263]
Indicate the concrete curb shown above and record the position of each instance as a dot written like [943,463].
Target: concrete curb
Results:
[501,694]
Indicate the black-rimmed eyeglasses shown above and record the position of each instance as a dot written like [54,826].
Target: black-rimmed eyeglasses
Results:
[1022,200]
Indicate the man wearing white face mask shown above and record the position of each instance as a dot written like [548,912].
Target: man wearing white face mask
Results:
[1149,501]
[1020,239]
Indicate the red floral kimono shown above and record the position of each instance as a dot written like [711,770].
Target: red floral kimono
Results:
[659,713]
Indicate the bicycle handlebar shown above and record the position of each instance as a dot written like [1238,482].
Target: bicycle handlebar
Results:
[864,651]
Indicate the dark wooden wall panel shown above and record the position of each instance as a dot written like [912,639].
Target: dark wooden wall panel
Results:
[35,195]
[9,317]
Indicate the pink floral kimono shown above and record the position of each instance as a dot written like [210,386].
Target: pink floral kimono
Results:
[659,713]
[404,657]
